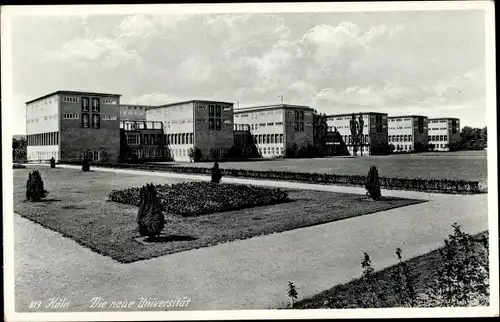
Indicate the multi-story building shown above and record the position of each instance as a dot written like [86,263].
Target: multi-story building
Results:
[278,130]
[69,125]
[375,133]
[143,140]
[202,127]
[443,132]
[408,133]
[133,112]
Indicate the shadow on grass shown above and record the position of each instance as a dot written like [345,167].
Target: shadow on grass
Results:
[72,207]
[165,239]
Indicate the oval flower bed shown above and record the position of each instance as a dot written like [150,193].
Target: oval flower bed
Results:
[198,198]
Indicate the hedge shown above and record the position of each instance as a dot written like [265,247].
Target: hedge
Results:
[413,184]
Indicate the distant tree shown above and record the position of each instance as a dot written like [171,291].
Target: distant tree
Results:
[216,173]
[320,131]
[373,183]
[19,149]
[292,293]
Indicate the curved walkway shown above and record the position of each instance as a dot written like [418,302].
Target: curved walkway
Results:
[245,274]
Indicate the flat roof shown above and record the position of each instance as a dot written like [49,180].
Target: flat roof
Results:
[267,107]
[71,93]
[398,116]
[189,101]
[445,118]
[357,113]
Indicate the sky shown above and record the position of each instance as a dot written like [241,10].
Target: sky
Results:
[416,62]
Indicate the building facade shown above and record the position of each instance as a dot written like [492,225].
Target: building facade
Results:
[278,130]
[409,133]
[201,127]
[375,132]
[443,132]
[143,140]
[68,125]
[133,112]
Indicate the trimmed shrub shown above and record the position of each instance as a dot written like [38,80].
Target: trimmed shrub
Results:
[373,184]
[86,165]
[52,163]
[189,199]
[34,187]
[150,216]
[216,173]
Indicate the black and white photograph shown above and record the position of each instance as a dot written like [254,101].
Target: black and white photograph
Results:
[249,161]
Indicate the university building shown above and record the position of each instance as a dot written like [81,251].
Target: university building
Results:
[67,125]
[375,132]
[409,133]
[444,132]
[277,130]
[193,126]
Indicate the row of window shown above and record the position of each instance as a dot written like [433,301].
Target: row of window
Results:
[49,138]
[399,119]
[43,155]
[400,138]
[345,118]
[438,137]
[85,100]
[437,128]
[268,138]
[46,118]
[271,151]
[348,139]
[43,102]
[278,112]
[437,121]
[149,153]
[257,125]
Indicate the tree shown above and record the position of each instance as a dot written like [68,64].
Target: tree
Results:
[19,149]
[373,183]
[292,293]
[34,187]
[320,131]
[150,216]
[360,132]
[216,173]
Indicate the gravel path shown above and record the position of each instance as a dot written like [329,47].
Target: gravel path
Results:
[246,274]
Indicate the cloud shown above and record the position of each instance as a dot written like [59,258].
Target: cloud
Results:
[376,61]
[105,52]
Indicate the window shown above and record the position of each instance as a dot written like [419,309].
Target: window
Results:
[108,118]
[132,138]
[109,101]
[191,138]
[85,120]
[410,138]
[96,105]
[441,138]
[96,156]
[85,104]
[152,139]
[145,139]
[445,138]
[96,121]
[270,124]
[272,138]
[70,116]
[406,138]
[299,121]
[69,99]
[218,124]
[218,111]
[227,108]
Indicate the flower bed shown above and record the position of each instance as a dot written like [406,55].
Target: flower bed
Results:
[198,198]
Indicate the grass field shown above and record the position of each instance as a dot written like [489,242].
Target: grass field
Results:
[78,208]
[350,295]
[464,165]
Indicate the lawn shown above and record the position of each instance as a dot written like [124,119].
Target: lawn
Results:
[350,295]
[78,207]
[463,165]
